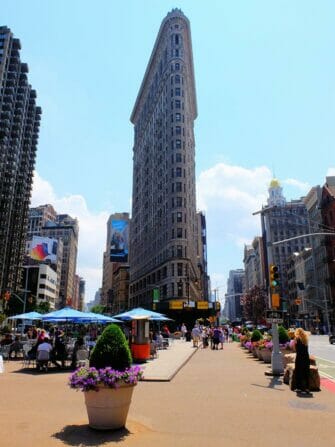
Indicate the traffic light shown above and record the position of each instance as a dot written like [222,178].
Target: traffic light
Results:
[274,276]
[7,296]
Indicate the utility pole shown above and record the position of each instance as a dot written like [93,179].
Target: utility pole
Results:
[277,368]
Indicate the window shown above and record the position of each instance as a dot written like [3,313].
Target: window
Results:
[177,66]
[178,117]
[178,144]
[179,187]
[177,79]
[172,269]
[176,39]
[179,233]
[179,251]
[178,130]
[179,201]
[43,276]
[177,103]
[176,52]
[180,269]
[179,217]
[178,158]
[177,91]
[178,172]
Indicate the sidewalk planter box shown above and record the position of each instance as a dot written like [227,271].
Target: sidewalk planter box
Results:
[266,355]
[107,408]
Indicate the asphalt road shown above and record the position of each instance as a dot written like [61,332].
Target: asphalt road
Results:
[324,352]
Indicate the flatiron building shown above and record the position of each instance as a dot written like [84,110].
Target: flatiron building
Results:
[164,227]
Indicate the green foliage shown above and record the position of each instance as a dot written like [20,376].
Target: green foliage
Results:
[256,335]
[98,309]
[283,335]
[43,307]
[111,350]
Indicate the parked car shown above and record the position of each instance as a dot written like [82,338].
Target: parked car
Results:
[331,339]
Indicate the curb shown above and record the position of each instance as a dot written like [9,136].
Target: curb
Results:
[169,378]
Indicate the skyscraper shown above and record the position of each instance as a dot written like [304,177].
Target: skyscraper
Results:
[19,129]
[66,229]
[164,230]
[116,255]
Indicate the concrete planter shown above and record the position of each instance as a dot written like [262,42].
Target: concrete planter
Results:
[266,355]
[107,409]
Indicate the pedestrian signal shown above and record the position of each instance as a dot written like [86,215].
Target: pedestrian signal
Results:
[274,276]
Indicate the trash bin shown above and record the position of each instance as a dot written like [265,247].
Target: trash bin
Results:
[140,346]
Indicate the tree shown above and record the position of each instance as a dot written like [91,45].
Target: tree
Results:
[98,309]
[254,304]
[43,307]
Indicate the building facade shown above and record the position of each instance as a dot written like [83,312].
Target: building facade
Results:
[233,309]
[19,129]
[66,229]
[116,254]
[328,220]
[38,217]
[283,221]
[163,234]
[254,264]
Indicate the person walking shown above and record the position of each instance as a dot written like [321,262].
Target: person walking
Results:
[183,330]
[196,336]
[301,361]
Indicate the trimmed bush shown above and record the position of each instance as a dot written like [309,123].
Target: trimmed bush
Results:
[283,335]
[111,350]
[256,335]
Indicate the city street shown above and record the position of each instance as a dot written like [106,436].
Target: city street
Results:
[324,352]
[218,397]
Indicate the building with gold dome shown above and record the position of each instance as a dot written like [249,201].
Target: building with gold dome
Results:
[282,221]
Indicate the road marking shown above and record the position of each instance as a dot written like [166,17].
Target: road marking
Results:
[326,368]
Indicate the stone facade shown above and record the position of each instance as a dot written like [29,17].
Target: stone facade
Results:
[163,233]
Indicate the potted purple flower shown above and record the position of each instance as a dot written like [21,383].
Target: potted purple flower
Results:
[109,382]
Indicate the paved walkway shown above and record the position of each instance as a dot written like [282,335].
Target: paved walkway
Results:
[217,398]
[169,361]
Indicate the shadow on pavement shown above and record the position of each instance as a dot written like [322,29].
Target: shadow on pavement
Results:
[275,381]
[83,435]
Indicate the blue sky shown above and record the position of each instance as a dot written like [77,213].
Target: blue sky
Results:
[265,88]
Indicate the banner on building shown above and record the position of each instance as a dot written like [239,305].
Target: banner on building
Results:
[119,241]
[202,305]
[44,249]
[176,305]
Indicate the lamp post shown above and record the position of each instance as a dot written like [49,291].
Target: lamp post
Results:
[277,368]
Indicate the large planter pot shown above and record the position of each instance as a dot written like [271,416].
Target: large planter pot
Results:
[107,409]
[266,355]
[259,353]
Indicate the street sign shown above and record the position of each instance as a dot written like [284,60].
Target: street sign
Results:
[274,320]
[274,316]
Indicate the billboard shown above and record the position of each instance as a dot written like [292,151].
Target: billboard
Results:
[44,249]
[119,241]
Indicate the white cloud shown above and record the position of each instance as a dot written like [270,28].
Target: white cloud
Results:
[92,230]
[230,195]
[330,172]
[302,186]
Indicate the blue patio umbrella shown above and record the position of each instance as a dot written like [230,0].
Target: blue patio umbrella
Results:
[91,317]
[139,314]
[66,314]
[27,316]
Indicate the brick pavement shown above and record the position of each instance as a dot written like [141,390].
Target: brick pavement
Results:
[218,397]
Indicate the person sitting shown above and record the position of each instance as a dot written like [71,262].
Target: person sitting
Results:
[43,354]
[15,347]
[78,346]
[7,340]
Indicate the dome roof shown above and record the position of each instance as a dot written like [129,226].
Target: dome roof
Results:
[274,183]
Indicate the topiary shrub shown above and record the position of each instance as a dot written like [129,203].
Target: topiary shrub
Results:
[283,335]
[111,350]
[256,335]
